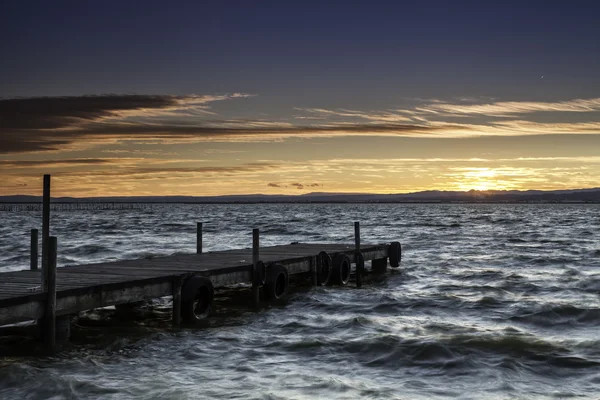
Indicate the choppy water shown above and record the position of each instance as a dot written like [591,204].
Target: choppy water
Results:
[494,301]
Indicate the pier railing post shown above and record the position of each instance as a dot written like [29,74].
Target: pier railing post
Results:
[49,333]
[33,259]
[255,260]
[199,238]
[45,229]
[359,265]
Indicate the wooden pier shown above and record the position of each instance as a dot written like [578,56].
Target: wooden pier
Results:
[83,287]
[52,295]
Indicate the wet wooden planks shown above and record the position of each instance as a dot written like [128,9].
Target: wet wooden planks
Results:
[27,282]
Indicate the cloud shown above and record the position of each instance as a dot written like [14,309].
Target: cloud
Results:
[296,185]
[507,108]
[55,163]
[379,116]
[529,127]
[68,112]
[70,123]
[49,140]
[53,124]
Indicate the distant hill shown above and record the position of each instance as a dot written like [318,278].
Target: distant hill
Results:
[431,196]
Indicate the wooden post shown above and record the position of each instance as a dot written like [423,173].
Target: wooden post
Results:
[255,272]
[45,230]
[33,259]
[177,282]
[359,269]
[49,333]
[199,238]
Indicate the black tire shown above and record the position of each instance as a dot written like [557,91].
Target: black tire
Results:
[323,268]
[278,282]
[197,295]
[395,254]
[261,277]
[340,274]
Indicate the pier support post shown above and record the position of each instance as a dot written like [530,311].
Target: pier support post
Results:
[255,268]
[379,266]
[45,235]
[49,330]
[33,259]
[177,283]
[359,265]
[45,229]
[63,328]
[199,238]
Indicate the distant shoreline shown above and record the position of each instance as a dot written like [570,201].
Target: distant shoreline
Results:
[573,196]
[86,202]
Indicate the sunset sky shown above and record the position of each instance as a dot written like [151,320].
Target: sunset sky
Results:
[238,97]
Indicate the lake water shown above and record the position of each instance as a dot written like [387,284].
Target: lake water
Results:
[491,301]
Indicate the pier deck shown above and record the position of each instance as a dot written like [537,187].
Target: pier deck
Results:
[84,287]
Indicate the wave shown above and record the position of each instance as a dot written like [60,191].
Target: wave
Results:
[88,249]
[561,315]
[448,352]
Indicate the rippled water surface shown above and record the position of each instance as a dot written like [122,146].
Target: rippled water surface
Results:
[492,301]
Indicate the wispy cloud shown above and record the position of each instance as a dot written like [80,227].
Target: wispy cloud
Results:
[70,112]
[529,127]
[508,108]
[56,163]
[379,116]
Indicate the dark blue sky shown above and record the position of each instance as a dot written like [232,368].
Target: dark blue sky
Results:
[304,53]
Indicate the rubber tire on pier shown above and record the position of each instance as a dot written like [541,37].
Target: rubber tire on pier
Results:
[197,295]
[395,254]
[323,268]
[340,274]
[261,278]
[277,283]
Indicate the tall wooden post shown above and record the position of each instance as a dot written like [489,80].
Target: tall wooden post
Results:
[49,332]
[33,259]
[359,265]
[45,229]
[199,238]
[255,271]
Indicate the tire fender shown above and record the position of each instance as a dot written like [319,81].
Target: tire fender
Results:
[395,254]
[197,295]
[277,282]
[340,274]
